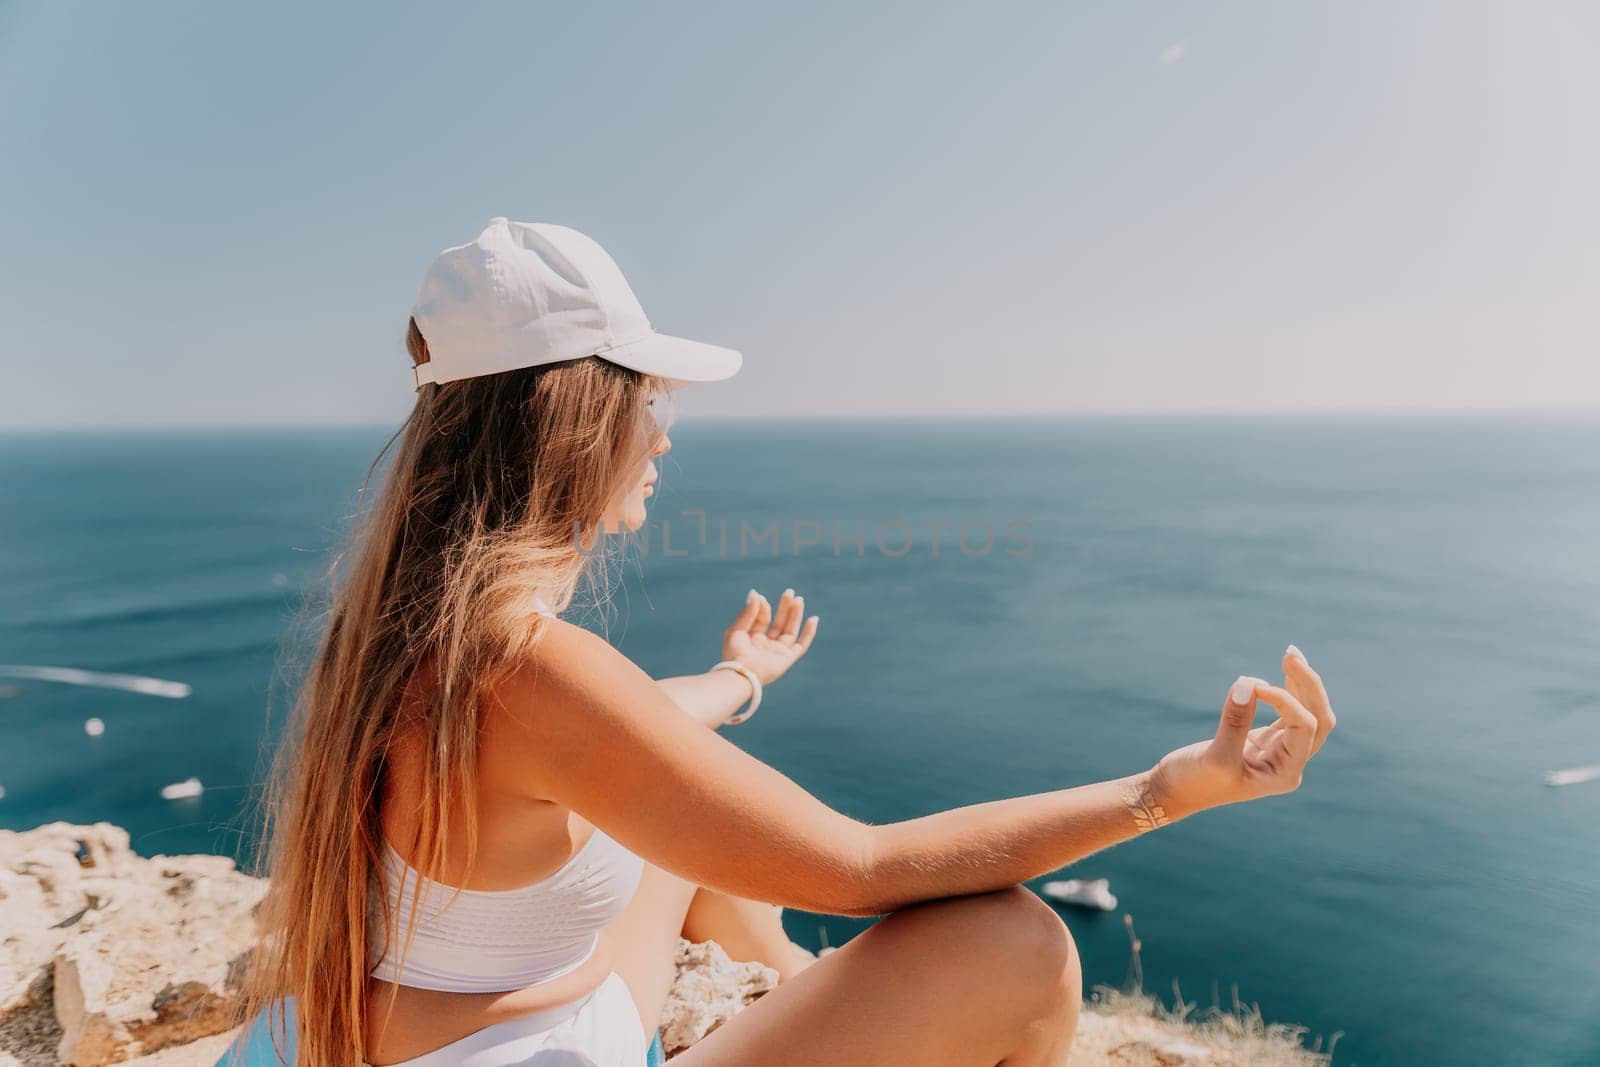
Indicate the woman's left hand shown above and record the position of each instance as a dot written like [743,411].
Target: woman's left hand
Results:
[767,641]
[1241,763]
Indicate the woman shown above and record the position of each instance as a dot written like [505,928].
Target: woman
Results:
[492,827]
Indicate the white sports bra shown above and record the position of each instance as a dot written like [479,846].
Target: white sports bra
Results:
[478,941]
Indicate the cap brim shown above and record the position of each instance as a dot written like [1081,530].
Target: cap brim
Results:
[677,359]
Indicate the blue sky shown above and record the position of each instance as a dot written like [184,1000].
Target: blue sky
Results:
[220,213]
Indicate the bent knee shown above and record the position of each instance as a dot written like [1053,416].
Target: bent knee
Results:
[1036,940]
[1014,930]
[1021,945]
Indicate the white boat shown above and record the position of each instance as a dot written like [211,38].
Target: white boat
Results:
[1084,892]
[1573,775]
[184,790]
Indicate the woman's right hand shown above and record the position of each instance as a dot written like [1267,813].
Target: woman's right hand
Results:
[1241,763]
[769,642]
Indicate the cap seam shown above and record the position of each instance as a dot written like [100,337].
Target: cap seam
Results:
[599,302]
[615,344]
[495,269]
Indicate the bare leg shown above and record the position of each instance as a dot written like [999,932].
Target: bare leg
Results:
[747,929]
[643,940]
[976,981]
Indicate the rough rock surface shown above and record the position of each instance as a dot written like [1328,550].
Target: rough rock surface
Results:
[709,990]
[105,955]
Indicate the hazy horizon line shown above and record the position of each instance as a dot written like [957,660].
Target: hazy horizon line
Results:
[1552,413]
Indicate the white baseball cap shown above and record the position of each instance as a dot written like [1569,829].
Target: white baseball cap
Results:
[524,294]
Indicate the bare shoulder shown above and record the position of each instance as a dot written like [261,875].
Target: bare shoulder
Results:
[568,667]
[573,697]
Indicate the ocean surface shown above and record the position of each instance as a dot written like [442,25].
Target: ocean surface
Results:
[1031,604]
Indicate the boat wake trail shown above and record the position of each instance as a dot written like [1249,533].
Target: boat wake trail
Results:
[131,683]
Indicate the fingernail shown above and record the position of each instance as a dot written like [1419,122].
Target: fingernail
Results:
[788,592]
[1296,653]
[751,595]
[1242,690]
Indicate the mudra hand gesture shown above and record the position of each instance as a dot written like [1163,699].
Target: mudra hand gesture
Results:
[767,641]
[1241,763]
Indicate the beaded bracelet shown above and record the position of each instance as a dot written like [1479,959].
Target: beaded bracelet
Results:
[1147,814]
[755,688]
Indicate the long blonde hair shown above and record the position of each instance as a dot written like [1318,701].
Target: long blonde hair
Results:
[492,498]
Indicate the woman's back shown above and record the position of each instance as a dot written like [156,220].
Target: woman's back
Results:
[520,837]
[524,917]
[528,907]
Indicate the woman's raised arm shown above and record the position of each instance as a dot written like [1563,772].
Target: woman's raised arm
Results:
[598,736]
[1025,837]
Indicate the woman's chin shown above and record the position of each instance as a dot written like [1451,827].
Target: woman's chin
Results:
[628,522]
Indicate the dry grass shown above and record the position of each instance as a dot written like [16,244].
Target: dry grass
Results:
[1128,1027]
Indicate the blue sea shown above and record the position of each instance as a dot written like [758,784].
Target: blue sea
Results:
[1008,606]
